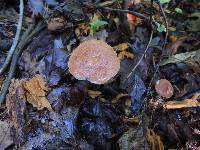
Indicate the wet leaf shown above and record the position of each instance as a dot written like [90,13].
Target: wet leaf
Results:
[5,139]
[180,57]
[134,138]
[36,92]
[98,123]
[194,25]
[136,94]
[172,48]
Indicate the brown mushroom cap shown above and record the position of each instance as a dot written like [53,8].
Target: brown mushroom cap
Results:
[95,61]
[164,88]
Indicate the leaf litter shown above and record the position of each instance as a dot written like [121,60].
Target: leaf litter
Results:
[47,108]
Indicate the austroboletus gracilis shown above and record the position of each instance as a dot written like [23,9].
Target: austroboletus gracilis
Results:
[95,61]
[164,88]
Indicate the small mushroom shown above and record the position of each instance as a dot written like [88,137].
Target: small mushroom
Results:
[164,88]
[95,61]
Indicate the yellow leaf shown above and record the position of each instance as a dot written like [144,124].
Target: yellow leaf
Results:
[121,47]
[126,54]
[36,93]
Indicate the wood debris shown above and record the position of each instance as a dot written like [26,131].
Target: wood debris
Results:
[183,104]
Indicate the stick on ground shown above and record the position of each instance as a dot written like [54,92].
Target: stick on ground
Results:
[15,40]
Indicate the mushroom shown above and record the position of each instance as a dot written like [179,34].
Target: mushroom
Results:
[95,61]
[164,88]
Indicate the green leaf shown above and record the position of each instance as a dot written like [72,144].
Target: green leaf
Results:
[178,10]
[161,28]
[164,1]
[94,26]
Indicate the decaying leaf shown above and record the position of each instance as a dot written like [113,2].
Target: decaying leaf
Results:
[172,48]
[180,57]
[16,105]
[194,25]
[123,53]
[134,138]
[94,94]
[5,139]
[154,140]
[183,104]
[121,47]
[36,93]
[118,97]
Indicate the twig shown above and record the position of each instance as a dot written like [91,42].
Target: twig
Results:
[184,103]
[143,55]
[163,48]
[16,39]
[126,11]
[26,38]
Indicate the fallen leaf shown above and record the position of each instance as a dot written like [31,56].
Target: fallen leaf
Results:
[154,140]
[184,103]
[36,93]
[121,47]
[5,139]
[55,24]
[180,57]
[172,48]
[16,106]
[119,97]
[134,138]
[194,25]
[122,51]
[94,94]
[125,54]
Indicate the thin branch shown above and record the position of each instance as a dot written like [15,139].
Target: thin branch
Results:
[143,55]
[26,38]
[126,11]
[16,39]
[163,46]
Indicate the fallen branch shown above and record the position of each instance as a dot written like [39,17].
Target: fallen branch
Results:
[16,39]
[184,103]
[26,38]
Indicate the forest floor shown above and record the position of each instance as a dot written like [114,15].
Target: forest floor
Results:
[151,103]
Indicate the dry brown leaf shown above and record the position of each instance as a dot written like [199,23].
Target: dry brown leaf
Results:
[94,94]
[125,54]
[154,140]
[36,93]
[119,97]
[183,104]
[121,47]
